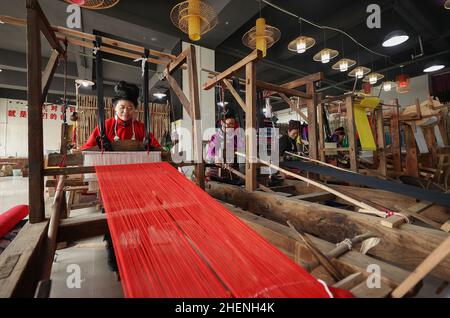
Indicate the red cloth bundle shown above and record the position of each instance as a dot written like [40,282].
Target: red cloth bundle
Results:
[10,218]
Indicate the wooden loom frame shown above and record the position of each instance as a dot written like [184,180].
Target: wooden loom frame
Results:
[25,265]
[249,106]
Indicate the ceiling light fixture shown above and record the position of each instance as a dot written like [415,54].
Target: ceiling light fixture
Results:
[373,78]
[194,17]
[261,36]
[325,55]
[359,72]
[343,65]
[434,68]
[447,5]
[395,38]
[402,83]
[222,104]
[301,43]
[159,95]
[84,82]
[94,4]
[388,85]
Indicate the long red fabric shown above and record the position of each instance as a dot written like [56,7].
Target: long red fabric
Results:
[172,239]
[10,218]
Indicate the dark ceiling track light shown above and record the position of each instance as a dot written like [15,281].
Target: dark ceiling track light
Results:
[395,38]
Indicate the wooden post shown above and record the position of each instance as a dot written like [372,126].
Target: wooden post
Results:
[432,146]
[381,144]
[312,121]
[35,126]
[351,133]
[195,109]
[395,138]
[250,125]
[412,164]
[321,132]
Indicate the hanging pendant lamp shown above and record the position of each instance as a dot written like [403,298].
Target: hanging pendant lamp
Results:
[301,43]
[261,36]
[194,17]
[94,4]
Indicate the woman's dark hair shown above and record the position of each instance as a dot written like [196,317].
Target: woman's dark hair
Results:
[294,124]
[126,91]
[229,113]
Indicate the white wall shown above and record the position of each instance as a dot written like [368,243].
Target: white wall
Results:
[206,60]
[14,129]
[418,88]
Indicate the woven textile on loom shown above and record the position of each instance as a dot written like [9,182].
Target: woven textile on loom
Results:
[172,239]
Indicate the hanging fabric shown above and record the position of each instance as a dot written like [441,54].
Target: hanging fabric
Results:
[362,123]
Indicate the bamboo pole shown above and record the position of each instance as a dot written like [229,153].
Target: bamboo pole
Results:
[359,204]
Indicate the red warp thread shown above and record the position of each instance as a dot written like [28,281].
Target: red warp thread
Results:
[174,240]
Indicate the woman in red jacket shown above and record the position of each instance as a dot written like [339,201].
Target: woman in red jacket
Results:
[122,126]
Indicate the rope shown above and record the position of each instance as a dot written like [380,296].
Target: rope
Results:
[347,243]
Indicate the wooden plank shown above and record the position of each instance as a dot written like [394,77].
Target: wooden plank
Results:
[35,125]
[235,94]
[410,212]
[315,197]
[311,78]
[179,60]
[55,159]
[405,247]
[284,188]
[293,107]
[91,37]
[432,146]
[255,55]
[395,138]
[68,171]
[180,94]
[44,26]
[312,122]
[350,281]
[22,274]
[282,237]
[82,227]
[283,90]
[363,291]
[446,227]
[194,97]
[250,127]
[351,133]
[436,257]
[412,164]
[381,144]
[50,244]
[117,52]
[320,109]
[49,71]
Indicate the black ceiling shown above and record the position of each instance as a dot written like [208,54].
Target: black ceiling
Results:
[427,19]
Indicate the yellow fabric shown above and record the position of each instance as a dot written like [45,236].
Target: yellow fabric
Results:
[370,102]
[364,129]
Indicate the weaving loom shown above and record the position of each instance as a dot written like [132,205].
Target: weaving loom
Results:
[172,239]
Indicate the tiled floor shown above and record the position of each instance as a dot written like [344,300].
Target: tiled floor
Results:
[88,258]
[13,191]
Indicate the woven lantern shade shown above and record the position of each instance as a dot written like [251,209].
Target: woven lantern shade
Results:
[343,64]
[373,78]
[94,4]
[301,44]
[325,55]
[194,17]
[359,71]
[261,36]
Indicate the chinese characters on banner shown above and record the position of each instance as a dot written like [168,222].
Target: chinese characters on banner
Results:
[18,109]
